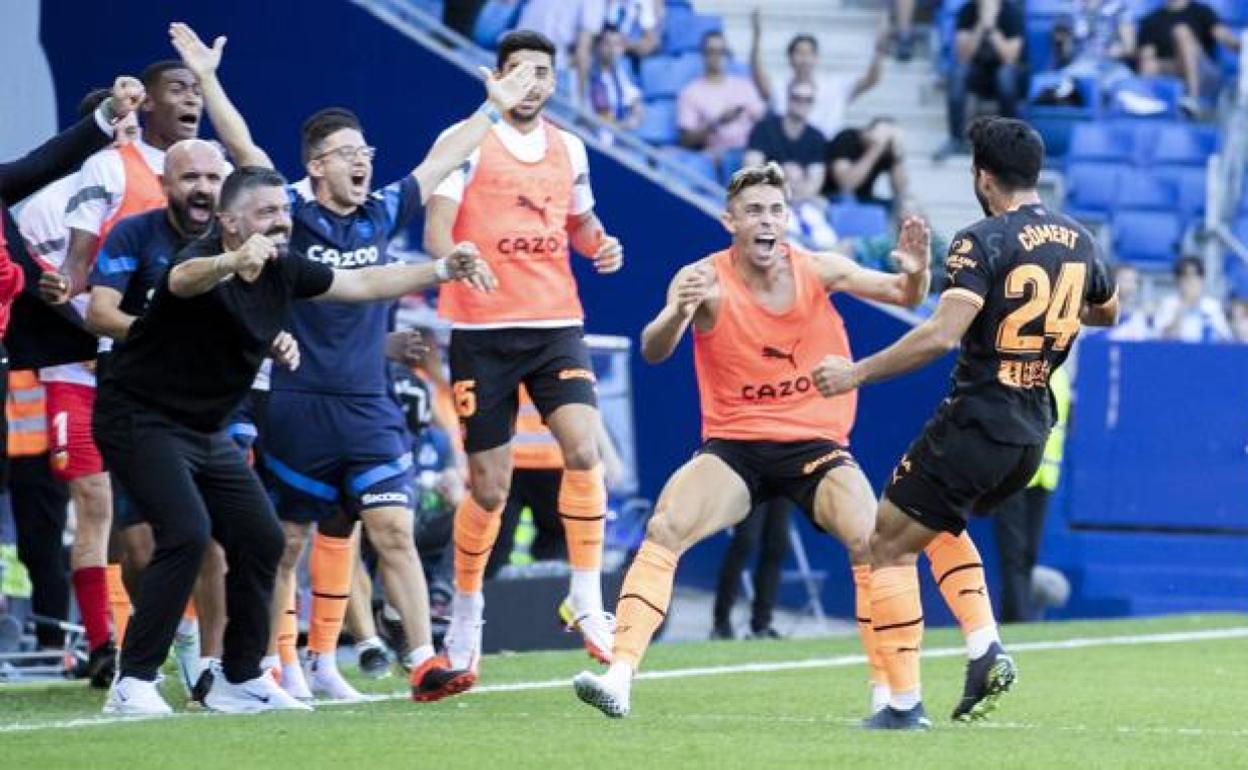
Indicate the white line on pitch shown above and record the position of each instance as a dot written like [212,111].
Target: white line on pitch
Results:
[839,661]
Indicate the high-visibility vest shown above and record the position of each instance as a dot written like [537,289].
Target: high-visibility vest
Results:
[143,189]
[1051,466]
[27,412]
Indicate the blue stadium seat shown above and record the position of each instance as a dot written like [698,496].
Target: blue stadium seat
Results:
[858,220]
[1091,189]
[683,29]
[1165,90]
[664,76]
[1056,122]
[1144,190]
[658,123]
[1053,8]
[698,162]
[1147,238]
[1189,182]
[729,163]
[1182,144]
[1102,142]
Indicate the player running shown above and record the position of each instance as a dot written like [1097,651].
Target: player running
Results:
[524,198]
[1021,283]
[332,434]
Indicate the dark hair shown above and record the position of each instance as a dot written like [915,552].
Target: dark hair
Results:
[770,174]
[803,38]
[246,178]
[710,33]
[323,123]
[523,40]
[1183,265]
[152,72]
[92,100]
[1009,149]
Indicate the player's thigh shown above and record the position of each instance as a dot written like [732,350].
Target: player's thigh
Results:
[73,450]
[391,529]
[845,507]
[703,497]
[485,378]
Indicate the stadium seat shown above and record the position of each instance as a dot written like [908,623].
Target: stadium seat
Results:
[1164,92]
[698,162]
[1091,189]
[1240,229]
[664,76]
[1147,238]
[1145,190]
[658,123]
[858,220]
[683,30]
[1189,183]
[1181,144]
[1100,142]
[729,163]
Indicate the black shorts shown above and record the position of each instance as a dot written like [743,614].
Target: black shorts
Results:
[952,471]
[770,469]
[488,366]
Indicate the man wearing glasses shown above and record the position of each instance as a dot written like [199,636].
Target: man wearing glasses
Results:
[716,112]
[333,438]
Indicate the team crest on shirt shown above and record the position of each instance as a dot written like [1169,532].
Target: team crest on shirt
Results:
[963,246]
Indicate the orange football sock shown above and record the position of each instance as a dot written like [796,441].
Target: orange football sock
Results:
[644,598]
[583,510]
[118,602]
[862,608]
[959,571]
[476,529]
[329,566]
[288,628]
[897,618]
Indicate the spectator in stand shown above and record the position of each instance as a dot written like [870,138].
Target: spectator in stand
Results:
[857,157]
[793,142]
[903,15]
[1188,315]
[833,92]
[612,94]
[988,53]
[1239,319]
[640,22]
[1097,39]
[571,26]
[1133,321]
[717,111]
[1181,38]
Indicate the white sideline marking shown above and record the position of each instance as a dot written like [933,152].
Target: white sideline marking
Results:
[840,661]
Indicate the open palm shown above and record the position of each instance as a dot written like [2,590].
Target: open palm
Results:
[197,56]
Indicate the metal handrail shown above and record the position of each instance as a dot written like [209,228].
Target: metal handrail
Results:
[417,24]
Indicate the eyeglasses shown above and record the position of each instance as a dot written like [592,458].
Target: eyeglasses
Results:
[349,153]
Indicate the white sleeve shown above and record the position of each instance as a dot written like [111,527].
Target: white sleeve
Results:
[647,18]
[101,185]
[453,185]
[1166,312]
[1217,320]
[582,192]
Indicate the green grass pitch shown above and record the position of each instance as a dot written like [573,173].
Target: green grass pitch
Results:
[1115,700]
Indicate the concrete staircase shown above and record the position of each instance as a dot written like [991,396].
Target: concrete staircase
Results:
[908,92]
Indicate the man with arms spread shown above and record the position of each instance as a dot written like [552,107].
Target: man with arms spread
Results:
[1021,283]
[524,199]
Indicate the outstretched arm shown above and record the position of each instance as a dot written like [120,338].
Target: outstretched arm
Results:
[906,288]
[226,119]
[385,282]
[684,296]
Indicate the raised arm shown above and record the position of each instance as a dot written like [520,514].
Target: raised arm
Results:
[762,81]
[906,288]
[226,119]
[919,347]
[685,295]
[502,94]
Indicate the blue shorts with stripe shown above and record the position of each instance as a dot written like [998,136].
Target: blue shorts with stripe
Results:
[325,453]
